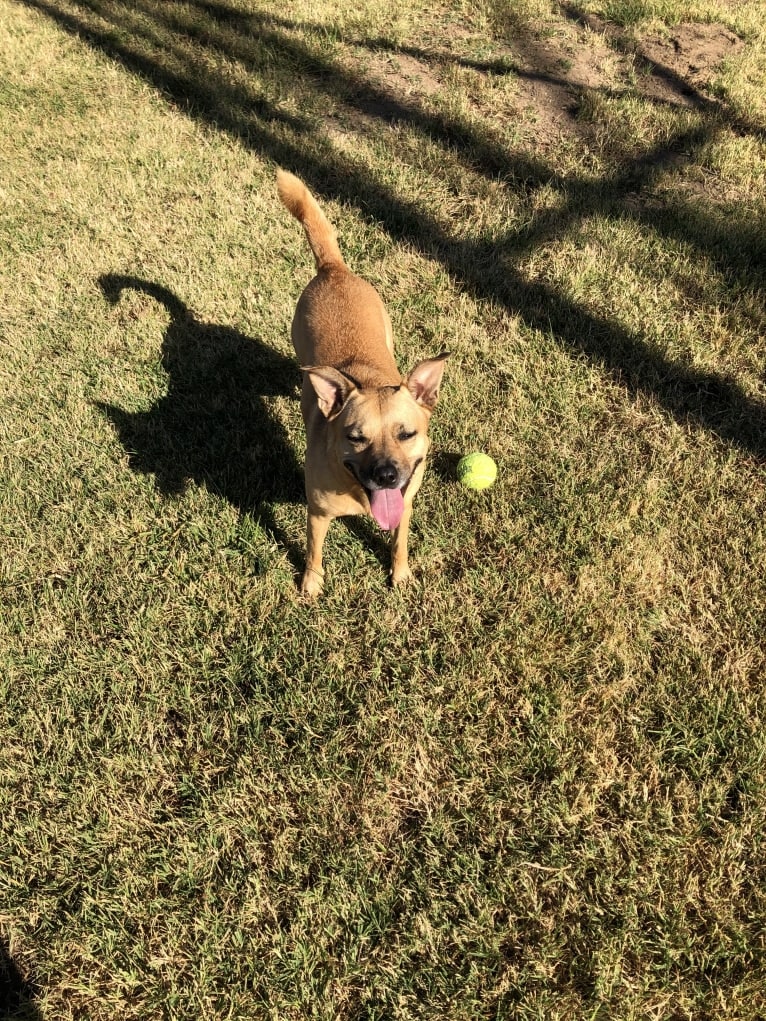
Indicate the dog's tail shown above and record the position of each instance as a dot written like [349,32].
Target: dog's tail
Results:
[305,208]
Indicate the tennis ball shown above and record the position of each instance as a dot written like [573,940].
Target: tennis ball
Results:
[476,471]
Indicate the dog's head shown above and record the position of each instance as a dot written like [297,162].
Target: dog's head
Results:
[381,434]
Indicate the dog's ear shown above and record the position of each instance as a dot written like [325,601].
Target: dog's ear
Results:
[332,388]
[424,380]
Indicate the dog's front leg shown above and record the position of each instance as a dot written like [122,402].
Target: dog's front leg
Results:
[400,568]
[313,576]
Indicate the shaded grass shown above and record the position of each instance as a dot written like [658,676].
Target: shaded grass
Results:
[532,785]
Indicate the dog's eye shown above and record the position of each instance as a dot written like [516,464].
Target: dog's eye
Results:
[356,438]
[406,434]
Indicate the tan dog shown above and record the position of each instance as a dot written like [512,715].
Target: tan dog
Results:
[366,426]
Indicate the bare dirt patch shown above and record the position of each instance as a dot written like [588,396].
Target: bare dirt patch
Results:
[551,72]
[676,68]
[682,64]
[403,72]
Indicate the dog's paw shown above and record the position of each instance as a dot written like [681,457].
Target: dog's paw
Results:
[312,583]
[401,576]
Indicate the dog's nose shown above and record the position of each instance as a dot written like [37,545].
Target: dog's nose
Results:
[385,475]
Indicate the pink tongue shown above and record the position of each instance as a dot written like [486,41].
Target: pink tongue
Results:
[387,506]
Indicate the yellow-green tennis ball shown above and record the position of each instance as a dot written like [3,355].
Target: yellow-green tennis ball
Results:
[476,471]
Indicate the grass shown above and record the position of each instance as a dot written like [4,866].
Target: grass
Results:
[529,786]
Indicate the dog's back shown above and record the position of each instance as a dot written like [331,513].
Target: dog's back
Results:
[340,319]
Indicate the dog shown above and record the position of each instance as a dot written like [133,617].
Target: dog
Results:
[366,425]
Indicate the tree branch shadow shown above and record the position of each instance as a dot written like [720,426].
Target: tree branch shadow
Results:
[150,40]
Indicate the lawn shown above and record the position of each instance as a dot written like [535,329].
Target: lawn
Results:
[532,784]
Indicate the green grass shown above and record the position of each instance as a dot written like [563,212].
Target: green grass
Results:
[531,785]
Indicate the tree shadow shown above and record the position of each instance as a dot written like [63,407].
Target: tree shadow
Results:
[178,48]
[17,994]
[214,426]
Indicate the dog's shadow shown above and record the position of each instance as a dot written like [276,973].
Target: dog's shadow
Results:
[214,425]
